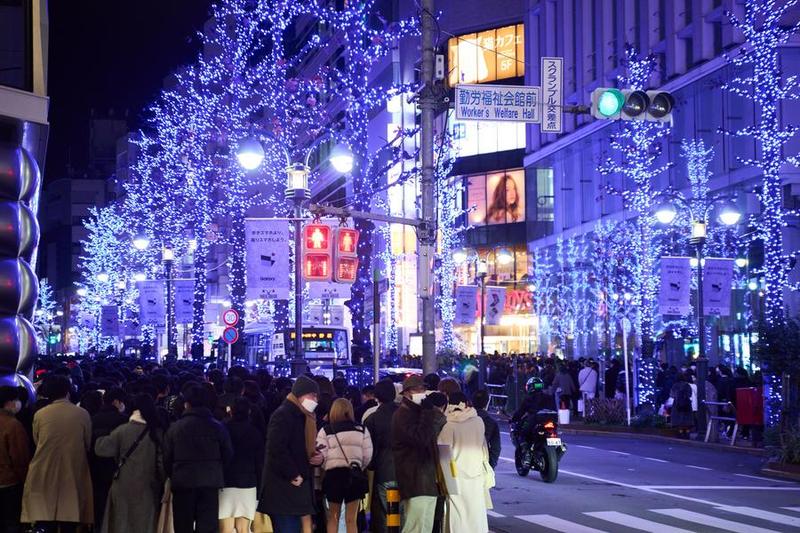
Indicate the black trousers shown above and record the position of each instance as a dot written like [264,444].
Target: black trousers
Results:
[10,508]
[195,510]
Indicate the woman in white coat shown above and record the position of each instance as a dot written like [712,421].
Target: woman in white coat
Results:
[464,434]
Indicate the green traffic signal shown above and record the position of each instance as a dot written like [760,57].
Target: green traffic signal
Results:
[610,102]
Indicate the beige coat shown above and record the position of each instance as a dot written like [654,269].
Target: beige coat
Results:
[59,486]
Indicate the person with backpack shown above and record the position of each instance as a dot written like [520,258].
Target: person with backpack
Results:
[681,416]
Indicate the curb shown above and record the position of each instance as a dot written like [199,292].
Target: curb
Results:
[780,474]
[760,452]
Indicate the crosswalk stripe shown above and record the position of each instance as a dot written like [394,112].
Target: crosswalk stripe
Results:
[713,521]
[634,522]
[557,524]
[796,509]
[769,516]
[493,514]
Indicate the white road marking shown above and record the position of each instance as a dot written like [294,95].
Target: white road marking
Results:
[714,487]
[557,524]
[634,522]
[619,453]
[697,467]
[655,460]
[584,447]
[763,478]
[796,509]
[769,516]
[494,515]
[713,521]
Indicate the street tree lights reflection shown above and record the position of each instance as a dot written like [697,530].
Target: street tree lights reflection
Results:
[250,155]
[700,217]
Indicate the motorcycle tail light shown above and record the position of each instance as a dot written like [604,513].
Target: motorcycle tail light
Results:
[550,426]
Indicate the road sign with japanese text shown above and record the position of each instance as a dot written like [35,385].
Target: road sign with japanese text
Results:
[514,103]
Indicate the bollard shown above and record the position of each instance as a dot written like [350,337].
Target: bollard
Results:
[393,511]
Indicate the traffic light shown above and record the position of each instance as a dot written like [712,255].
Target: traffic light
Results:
[624,104]
[345,255]
[317,258]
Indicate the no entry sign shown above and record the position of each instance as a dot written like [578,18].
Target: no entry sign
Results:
[230,335]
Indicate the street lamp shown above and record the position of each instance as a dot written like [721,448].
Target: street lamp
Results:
[250,155]
[141,242]
[168,258]
[727,215]
[483,270]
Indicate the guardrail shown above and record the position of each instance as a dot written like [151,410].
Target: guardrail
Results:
[716,418]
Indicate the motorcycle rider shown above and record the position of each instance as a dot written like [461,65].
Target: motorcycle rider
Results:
[534,401]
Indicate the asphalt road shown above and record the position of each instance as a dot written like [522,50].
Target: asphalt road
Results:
[620,484]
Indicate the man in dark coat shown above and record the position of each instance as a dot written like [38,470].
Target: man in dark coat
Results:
[415,428]
[379,425]
[287,487]
[492,431]
[110,416]
[196,449]
[610,385]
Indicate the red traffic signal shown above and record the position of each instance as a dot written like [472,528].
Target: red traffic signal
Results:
[345,255]
[317,253]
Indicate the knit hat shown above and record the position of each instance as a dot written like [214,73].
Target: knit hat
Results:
[412,382]
[304,385]
[384,391]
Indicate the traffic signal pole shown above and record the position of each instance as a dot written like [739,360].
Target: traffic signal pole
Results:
[426,235]
[299,360]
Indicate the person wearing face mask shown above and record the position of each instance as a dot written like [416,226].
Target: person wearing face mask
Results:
[415,427]
[14,457]
[287,487]
[110,416]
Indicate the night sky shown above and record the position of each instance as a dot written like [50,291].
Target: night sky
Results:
[111,54]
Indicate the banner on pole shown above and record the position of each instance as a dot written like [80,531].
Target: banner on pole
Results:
[152,305]
[717,280]
[184,300]
[109,321]
[674,296]
[552,94]
[495,303]
[267,259]
[466,304]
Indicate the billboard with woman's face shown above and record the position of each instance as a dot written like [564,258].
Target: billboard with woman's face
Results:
[496,198]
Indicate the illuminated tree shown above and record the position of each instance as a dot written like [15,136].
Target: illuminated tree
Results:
[45,315]
[760,78]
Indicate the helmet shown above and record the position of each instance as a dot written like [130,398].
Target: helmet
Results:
[534,385]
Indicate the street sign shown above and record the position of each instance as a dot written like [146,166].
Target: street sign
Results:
[230,335]
[552,76]
[230,317]
[514,103]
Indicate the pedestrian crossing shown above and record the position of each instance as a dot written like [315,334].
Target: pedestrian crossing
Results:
[736,519]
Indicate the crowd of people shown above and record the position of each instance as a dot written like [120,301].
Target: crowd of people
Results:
[124,446]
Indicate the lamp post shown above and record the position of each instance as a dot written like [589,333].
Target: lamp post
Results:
[250,155]
[728,215]
[168,257]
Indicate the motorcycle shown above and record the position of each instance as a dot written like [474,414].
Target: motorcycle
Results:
[538,445]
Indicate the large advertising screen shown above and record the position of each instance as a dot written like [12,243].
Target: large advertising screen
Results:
[489,55]
[496,198]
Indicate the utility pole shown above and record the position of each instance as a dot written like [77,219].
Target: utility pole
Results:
[426,234]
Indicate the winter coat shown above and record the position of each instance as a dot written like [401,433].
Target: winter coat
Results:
[587,380]
[492,434]
[15,454]
[58,486]
[142,475]
[196,448]
[564,382]
[379,425]
[343,444]
[285,459]
[244,469]
[681,418]
[416,454]
[464,434]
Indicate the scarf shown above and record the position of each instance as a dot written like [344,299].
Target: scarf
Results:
[311,426]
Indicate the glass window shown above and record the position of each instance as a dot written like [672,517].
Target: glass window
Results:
[476,137]
[544,195]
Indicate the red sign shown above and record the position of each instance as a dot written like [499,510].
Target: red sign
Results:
[518,302]
[345,256]
[230,317]
[317,236]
